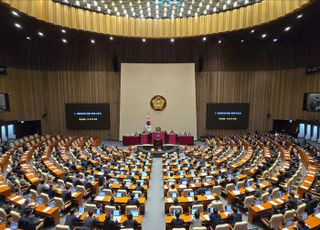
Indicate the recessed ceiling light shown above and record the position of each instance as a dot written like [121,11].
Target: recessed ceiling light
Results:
[299,16]
[63,31]
[111,38]
[144,40]
[252,31]
[219,41]
[40,34]
[287,28]
[28,38]
[15,13]
[64,40]
[92,41]
[17,25]
[275,40]
[263,35]
[204,39]
[172,40]
[242,41]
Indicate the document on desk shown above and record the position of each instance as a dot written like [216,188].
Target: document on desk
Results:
[21,202]
[236,192]
[14,198]
[99,198]
[190,199]
[206,217]
[273,203]
[260,207]
[280,201]
[117,218]
[46,209]
[209,197]
[169,200]
[318,215]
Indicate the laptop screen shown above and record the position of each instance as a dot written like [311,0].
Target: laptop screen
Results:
[304,216]
[136,196]
[257,202]
[116,212]
[289,222]
[135,213]
[102,194]
[51,204]
[228,208]
[118,194]
[174,195]
[191,194]
[208,192]
[193,211]
[40,201]
[184,182]
[81,210]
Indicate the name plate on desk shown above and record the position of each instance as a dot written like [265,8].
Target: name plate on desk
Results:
[100,198]
[260,207]
[47,209]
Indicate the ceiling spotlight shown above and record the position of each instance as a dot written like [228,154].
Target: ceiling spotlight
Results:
[15,13]
[28,38]
[263,35]
[92,41]
[63,31]
[252,31]
[242,41]
[287,28]
[204,39]
[17,25]
[172,40]
[275,40]
[299,16]
[40,34]
[219,41]
[64,40]
[144,40]
[111,38]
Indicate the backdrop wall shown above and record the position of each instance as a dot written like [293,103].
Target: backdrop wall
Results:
[175,82]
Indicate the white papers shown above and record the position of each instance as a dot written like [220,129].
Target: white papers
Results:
[99,198]
[236,192]
[209,197]
[260,207]
[21,202]
[14,198]
[250,189]
[273,203]
[169,200]
[46,209]
[206,217]
[117,218]
[190,199]
[318,215]
[280,201]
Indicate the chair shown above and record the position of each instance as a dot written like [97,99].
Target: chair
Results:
[34,194]
[62,227]
[241,225]
[108,192]
[275,221]
[170,192]
[82,189]
[123,192]
[15,216]
[176,229]
[45,198]
[69,184]
[217,205]
[264,197]
[174,208]
[248,201]
[90,207]
[61,182]
[222,227]
[301,209]
[137,192]
[187,191]
[199,207]
[58,201]
[240,184]
[199,228]
[217,190]
[229,187]
[109,209]
[288,215]
[130,208]
[3,215]
[275,193]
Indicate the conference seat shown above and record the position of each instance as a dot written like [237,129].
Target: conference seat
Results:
[15,216]
[175,208]
[187,191]
[109,209]
[217,205]
[248,201]
[3,215]
[199,228]
[45,198]
[170,192]
[63,206]
[90,207]
[34,194]
[240,184]
[243,225]
[127,229]
[82,189]
[69,184]
[275,193]
[229,187]
[137,192]
[222,227]
[178,229]
[217,190]
[108,192]
[288,215]
[61,182]
[301,209]
[199,207]
[62,227]
[275,221]
[130,208]
[264,197]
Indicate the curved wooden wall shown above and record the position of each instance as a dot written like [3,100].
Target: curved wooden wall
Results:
[72,17]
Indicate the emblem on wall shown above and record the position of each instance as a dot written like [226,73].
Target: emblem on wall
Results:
[158,103]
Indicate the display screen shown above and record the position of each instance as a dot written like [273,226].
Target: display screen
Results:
[311,102]
[228,115]
[87,116]
[4,102]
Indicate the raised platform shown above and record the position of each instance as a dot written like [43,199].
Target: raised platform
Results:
[157,152]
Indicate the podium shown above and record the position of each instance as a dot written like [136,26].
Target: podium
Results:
[157,143]
[161,135]
[144,139]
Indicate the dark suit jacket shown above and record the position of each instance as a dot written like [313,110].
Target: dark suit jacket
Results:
[215,219]
[66,195]
[235,218]
[89,222]
[133,202]
[71,220]
[177,223]
[110,225]
[130,224]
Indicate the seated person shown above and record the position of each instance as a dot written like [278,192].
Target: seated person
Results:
[201,190]
[71,219]
[66,194]
[172,189]
[234,216]
[132,200]
[177,222]
[302,225]
[195,221]
[51,192]
[89,221]
[109,224]
[130,222]
[215,219]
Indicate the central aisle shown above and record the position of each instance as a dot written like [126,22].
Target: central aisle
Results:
[154,207]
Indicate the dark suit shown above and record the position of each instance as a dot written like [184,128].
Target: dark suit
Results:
[215,219]
[133,202]
[110,225]
[71,220]
[235,217]
[130,224]
[89,222]
[177,223]
[66,195]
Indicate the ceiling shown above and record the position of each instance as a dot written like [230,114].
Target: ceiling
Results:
[158,9]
